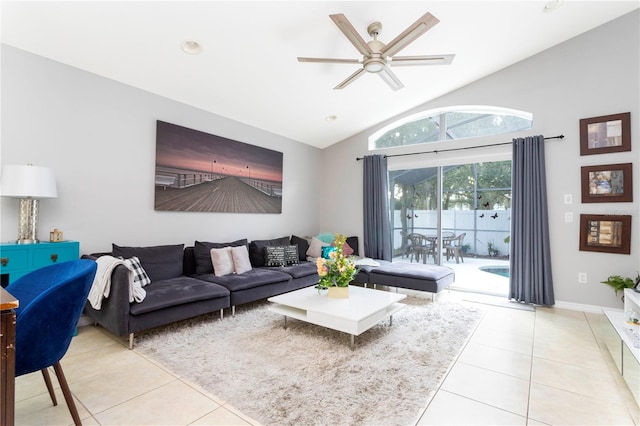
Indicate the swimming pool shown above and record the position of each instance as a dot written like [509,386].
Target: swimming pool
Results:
[498,270]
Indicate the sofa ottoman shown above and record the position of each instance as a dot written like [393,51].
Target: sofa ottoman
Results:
[414,276]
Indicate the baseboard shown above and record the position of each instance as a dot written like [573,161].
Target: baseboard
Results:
[84,320]
[594,309]
[503,301]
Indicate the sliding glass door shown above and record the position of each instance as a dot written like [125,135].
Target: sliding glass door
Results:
[458,216]
[414,212]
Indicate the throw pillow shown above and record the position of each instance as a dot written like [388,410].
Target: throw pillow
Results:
[202,254]
[274,256]
[222,261]
[315,248]
[256,249]
[326,251]
[139,274]
[326,237]
[241,263]
[291,254]
[159,262]
[353,243]
[346,249]
[303,246]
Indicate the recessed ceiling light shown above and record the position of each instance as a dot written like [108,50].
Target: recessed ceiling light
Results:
[331,118]
[552,5]
[191,47]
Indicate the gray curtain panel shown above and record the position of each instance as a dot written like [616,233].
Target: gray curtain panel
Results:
[530,276]
[377,236]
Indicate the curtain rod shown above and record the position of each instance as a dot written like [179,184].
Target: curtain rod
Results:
[458,149]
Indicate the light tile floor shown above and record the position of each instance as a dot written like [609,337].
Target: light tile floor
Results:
[519,367]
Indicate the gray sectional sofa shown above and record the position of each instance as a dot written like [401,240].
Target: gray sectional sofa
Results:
[184,282]
[184,285]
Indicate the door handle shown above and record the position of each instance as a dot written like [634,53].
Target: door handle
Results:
[4,261]
[54,257]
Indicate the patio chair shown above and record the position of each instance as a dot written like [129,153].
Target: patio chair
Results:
[421,246]
[406,249]
[453,247]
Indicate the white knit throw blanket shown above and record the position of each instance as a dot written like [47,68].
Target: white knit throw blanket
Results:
[101,287]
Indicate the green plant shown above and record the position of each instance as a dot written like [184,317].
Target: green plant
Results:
[338,270]
[619,284]
[493,252]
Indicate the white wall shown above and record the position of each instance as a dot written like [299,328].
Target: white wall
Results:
[99,137]
[593,74]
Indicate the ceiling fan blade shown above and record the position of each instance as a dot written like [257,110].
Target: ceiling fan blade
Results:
[350,79]
[329,60]
[421,26]
[390,78]
[398,61]
[347,29]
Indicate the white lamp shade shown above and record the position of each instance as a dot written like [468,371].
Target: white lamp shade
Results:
[27,181]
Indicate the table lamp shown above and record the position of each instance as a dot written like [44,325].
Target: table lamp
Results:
[29,183]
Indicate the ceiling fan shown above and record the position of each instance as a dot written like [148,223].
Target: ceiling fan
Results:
[377,56]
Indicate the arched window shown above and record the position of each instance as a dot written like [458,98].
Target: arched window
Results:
[450,123]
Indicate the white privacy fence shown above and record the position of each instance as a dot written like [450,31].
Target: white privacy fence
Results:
[483,227]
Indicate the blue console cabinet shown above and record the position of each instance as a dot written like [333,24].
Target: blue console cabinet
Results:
[17,260]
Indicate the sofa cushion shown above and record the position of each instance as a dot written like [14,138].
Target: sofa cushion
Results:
[326,251]
[281,255]
[274,256]
[291,254]
[302,269]
[257,252]
[326,237]
[303,246]
[160,262]
[315,248]
[353,243]
[346,249]
[254,278]
[241,262]
[139,274]
[222,261]
[202,254]
[415,276]
[176,291]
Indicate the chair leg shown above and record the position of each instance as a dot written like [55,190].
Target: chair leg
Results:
[67,394]
[47,381]
[131,337]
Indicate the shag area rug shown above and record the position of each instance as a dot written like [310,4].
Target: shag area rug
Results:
[309,375]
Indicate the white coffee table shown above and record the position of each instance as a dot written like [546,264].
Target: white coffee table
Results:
[354,315]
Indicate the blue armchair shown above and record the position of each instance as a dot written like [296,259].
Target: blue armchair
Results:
[51,301]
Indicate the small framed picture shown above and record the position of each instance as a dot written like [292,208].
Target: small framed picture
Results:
[605,134]
[609,183]
[605,233]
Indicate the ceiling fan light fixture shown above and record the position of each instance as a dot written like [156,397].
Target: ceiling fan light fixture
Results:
[191,47]
[378,57]
[374,65]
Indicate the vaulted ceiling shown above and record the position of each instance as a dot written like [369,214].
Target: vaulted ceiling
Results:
[248,69]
